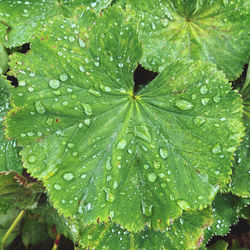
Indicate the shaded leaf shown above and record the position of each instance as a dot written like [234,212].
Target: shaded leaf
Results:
[109,236]
[104,151]
[24,18]
[212,31]
[16,192]
[219,245]
[9,159]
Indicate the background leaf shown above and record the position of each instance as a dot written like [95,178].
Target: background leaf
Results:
[212,31]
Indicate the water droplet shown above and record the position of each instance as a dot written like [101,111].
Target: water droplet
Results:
[81,43]
[171,197]
[121,144]
[120,65]
[205,101]
[183,104]
[89,236]
[217,98]
[193,96]
[216,149]
[147,209]
[183,204]
[81,68]
[71,39]
[68,176]
[88,207]
[108,164]
[199,120]
[57,187]
[108,178]
[83,176]
[146,166]
[31,159]
[87,109]
[163,185]
[94,92]
[75,154]
[71,145]
[152,177]
[49,121]
[87,122]
[65,103]
[30,89]
[97,64]
[200,197]
[109,196]
[54,84]
[63,77]
[115,185]
[40,107]
[163,153]
[157,164]
[203,89]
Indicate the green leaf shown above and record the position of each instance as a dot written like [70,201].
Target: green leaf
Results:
[219,245]
[226,212]
[24,18]
[104,151]
[9,159]
[110,236]
[211,31]
[240,179]
[16,192]
[4,59]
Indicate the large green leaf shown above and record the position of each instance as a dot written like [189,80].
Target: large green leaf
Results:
[241,170]
[185,233]
[104,151]
[19,20]
[9,159]
[213,31]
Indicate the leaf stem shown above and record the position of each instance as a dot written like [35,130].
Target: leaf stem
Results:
[56,243]
[7,234]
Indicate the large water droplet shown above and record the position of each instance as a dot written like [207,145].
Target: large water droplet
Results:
[40,107]
[68,176]
[87,109]
[183,204]
[152,177]
[121,144]
[183,104]
[87,122]
[216,149]
[54,84]
[163,153]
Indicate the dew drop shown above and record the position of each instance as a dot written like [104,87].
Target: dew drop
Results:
[83,176]
[81,43]
[147,209]
[57,187]
[115,184]
[146,166]
[87,122]
[65,103]
[216,149]
[163,153]
[71,39]
[203,90]
[31,159]
[108,164]
[40,107]
[54,84]
[120,65]
[183,104]
[157,164]
[121,144]
[109,196]
[87,109]
[205,101]
[108,178]
[71,145]
[81,68]
[63,77]
[68,176]
[217,99]
[152,177]
[49,121]
[163,185]
[199,120]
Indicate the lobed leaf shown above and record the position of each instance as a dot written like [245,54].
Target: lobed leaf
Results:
[104,151]
[110,236]
[211,31]
[19,20]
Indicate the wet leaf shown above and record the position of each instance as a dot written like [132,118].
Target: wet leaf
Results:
[211,31]
[109,236]
[104,151]
[19,20]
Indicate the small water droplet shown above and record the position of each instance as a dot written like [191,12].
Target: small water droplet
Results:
[40,107]
[199,120]
[120,65]
[152,177]
[108,164]
[171,197]
[81,68]
[71,145]
[71,39]
[203,90]
[216,149]
[57,187]
[157,164]
[115,184]
[200,197]
[54,84]
[87,108]
[65,103]
[121,144]
[31,159]
[81,43]
[109,196]
[63,77]
[183,104]
[163,185]
[83,176]
[163,153]
[87,122]
[183,204]
[205,101]
[108,178]
[50,121]
[146,166]
[68,176]
[217,98]
[147,209]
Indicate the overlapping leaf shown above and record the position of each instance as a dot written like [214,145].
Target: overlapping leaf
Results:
[19,20]
[104,151]
[9,159]
[110,236]
[213,31]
